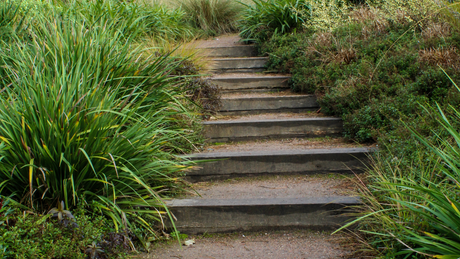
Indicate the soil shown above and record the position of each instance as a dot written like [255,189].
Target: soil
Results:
[296,186]
[266,245]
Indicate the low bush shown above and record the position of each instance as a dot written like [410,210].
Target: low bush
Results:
[31,235]
[212,17]
[264,18]
[374,72]
[368,75]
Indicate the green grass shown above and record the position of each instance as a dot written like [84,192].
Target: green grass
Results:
[212,17]
[88,118]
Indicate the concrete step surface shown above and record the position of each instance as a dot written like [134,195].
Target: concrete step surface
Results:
[250,82]
[228,215]
[231,51]
[252,204]
[257,127]
[232,65]
[225,165]
[265,103]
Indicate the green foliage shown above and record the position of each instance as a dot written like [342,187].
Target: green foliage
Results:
[368,75]
[83,115]
[374,72]
[327,14]
[10,19]
[213,17]
[131,18]
[36,236]
[264,18]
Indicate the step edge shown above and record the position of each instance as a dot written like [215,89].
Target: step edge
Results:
[265,98]
[332,151]
[222,122]
[248,78]
[239,58]
[226,47]
[321,200]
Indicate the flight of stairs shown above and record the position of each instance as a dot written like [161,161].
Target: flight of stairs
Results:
[258,107]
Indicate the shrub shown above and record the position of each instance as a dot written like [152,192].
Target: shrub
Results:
[412,200]
[29,235]
[83,116]
[213,17]
[266,17]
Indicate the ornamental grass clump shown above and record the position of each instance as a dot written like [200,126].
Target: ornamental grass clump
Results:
[213,17]
[86,119]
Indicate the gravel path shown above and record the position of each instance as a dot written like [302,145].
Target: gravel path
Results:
[269,245]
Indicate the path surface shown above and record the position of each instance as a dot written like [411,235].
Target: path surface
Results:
[264,245]
[278,177]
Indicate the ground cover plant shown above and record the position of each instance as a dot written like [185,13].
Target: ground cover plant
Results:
[382,68]
[89,119]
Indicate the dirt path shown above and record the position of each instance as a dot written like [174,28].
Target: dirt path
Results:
[266,245]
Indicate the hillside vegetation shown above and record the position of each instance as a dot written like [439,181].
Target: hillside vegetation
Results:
[388,69]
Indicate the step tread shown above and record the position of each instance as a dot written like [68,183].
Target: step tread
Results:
[287,186]
[268,117]
[284,144]
[289,152]
[229,40]
[347,200]
[269,120]
[239,58]
[248,76]
[282,95]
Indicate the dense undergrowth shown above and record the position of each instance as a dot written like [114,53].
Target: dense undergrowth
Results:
[387,68]
[92,124]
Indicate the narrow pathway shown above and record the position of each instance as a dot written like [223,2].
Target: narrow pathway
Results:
[277,169]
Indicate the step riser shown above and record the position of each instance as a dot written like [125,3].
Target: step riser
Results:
[231,85]
[223,132]
[256,217]
[245,165]
[232,52]
[244,65]
[240,106]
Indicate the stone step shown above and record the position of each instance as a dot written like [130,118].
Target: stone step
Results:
[256,127]
[254,214]
[273,202]
[231,51]
[260,103]
[230,83]
[225,165]
[245,65]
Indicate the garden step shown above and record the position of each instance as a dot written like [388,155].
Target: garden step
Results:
[247,82]
[231,51]
[257,127]
[230,164]
[264,103]
[232,65]
[265,203]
